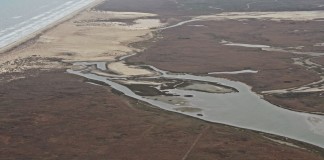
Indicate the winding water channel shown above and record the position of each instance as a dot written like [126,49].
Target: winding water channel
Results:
[243,109]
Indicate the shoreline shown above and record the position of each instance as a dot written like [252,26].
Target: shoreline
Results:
[131,94]
[178,125]
[12,46]
[298,143]
[69,22]
[309,147]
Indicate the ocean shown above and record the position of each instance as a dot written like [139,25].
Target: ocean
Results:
[20,18]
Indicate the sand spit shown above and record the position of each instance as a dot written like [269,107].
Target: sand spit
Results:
[119,15]
[128,70]
[87,37]
[227,43]
[274,16]
[139,82]
[207,88]
[244,16]
[293,50]
[177,101]
[236,72]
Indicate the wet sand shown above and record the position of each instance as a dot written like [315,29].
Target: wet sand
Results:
[276,69]
[30,38]
[54,115]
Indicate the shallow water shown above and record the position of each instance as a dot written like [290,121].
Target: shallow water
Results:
[243,109]
[235,72]
[21,18]
[247,45]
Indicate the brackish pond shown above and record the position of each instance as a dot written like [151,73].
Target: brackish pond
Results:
[243,109]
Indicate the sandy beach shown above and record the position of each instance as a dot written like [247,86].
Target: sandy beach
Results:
[89,36]
[47,113]
[31,36]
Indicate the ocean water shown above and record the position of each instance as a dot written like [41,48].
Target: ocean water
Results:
[20,18]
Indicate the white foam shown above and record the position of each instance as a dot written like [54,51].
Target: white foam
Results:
[68,3]
[25,28]
[16,17]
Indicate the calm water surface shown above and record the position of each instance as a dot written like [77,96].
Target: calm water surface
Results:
[19,18]
[243,109]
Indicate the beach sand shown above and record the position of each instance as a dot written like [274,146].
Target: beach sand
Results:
[89,36]
[30,37]
[49,114]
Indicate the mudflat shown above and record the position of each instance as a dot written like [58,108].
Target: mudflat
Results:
[55,115]
[47,113]
[282,47]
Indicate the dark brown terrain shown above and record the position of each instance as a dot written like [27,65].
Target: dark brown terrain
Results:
[54,115]
[198,50]
[311,102]
[198,7]
[319,60]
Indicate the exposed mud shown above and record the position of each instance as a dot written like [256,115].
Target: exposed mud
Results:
[53,115]
[57,116]
[270,48]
